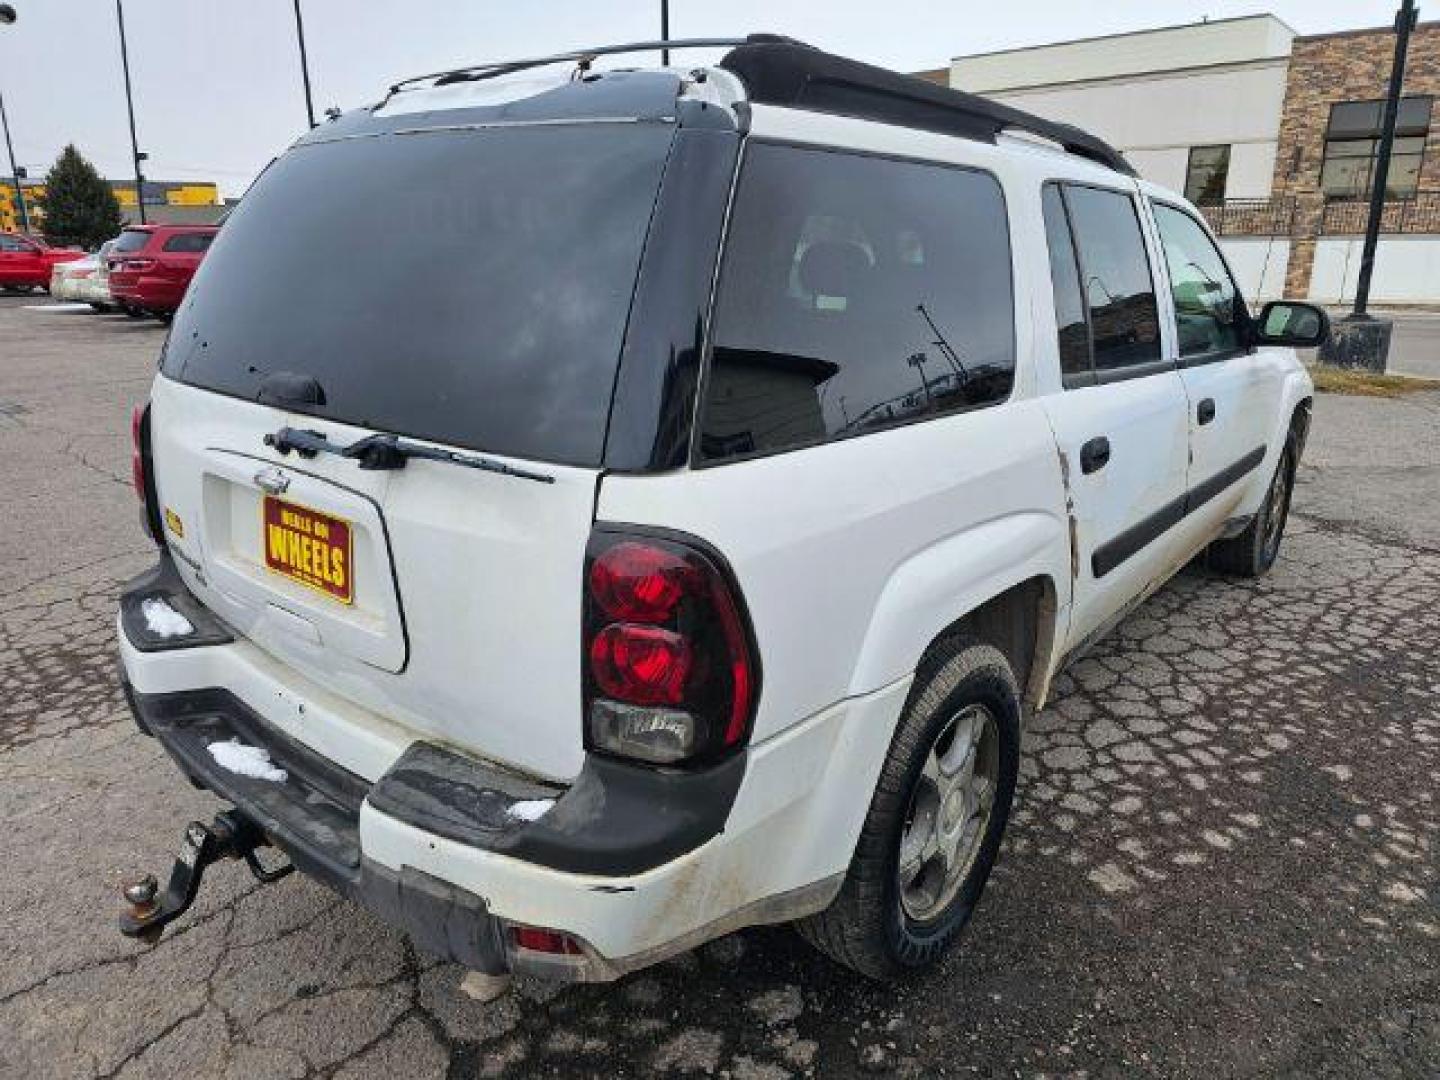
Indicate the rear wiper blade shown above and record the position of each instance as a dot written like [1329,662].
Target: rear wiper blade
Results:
[382,452]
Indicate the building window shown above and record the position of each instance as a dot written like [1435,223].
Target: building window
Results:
[1205,175]
[1352,143]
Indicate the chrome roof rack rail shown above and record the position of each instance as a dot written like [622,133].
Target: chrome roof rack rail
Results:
[582,57]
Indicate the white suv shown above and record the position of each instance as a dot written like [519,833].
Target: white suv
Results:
[603,510]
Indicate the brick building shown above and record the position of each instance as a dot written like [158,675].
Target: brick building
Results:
[1271,132]
[1329,126]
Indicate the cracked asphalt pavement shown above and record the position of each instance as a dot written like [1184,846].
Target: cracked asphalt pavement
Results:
[1223,859]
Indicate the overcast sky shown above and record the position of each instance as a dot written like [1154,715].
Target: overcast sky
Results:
[218,92]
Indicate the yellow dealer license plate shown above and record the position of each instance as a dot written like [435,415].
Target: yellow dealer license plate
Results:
[312,548]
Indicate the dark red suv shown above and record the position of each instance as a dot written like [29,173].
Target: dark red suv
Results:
[151,265]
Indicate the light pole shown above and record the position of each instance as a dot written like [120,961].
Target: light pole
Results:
[130,105]
[7,17]
[1404,23]
[304,64]
[1360,340]
[664,31]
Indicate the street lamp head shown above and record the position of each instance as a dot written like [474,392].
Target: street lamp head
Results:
[7,14]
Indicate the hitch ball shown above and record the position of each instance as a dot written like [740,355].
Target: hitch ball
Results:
[140,895]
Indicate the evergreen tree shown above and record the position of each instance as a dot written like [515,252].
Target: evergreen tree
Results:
[80,208]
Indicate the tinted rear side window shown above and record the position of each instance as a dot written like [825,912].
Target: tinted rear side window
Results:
[470,287]
[130,240]
[1124,318]
[188,242]
[856,293]
[1072,331]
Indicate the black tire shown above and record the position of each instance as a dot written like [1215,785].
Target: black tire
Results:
[1253,551]
[16,290]
[101,308]
[134,312]
[868,927]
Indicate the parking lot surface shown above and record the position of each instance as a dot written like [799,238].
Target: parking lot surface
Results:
[1223,859]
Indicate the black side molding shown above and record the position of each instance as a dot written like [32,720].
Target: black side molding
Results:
[1203,492]
[1115,551]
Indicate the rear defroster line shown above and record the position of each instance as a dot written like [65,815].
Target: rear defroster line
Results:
[381,452]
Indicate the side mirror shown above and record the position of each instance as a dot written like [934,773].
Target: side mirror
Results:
[1290,322]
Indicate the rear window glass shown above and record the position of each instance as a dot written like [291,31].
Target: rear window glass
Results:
[130,240]
[470,287]
[857,293]
[188,242]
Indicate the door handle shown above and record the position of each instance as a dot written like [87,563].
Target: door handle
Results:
[1095,455]
[1205,411]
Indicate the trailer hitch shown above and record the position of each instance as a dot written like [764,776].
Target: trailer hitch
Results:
[230,836]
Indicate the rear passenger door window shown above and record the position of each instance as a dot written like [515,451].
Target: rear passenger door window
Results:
[1104,243]
[857,293]
[1210,315]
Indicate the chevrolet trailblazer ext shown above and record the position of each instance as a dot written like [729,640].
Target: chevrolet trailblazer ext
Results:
[666,520]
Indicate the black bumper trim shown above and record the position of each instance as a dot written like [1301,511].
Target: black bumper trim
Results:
[314,814]
[163,581]
[616,819]
[314,817]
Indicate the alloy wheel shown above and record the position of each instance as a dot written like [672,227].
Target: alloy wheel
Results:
[949,813]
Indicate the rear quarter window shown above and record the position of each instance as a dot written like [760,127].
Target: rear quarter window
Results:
[857,293]
[129,241]
[193,243]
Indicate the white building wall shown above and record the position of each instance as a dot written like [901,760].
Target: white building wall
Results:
[1155,119]
[1407,270]
[1259,265]
[1164,167]
[1154,94]
[1252,170]
[1225,41]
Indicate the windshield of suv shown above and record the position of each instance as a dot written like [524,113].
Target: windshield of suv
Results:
[469,287]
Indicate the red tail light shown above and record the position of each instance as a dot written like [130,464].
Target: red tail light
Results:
[538,939]
[137,459]
[672,672]
[140,472]
[644,665]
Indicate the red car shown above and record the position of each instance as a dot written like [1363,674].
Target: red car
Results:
[151,265]
[26,261]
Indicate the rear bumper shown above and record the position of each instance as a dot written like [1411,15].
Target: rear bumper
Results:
[153,294]
[635,863]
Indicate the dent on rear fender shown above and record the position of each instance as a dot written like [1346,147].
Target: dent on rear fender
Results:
[952,577]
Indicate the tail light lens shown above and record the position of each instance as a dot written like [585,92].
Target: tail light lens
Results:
[542,940]
[672,674]
[140,472]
